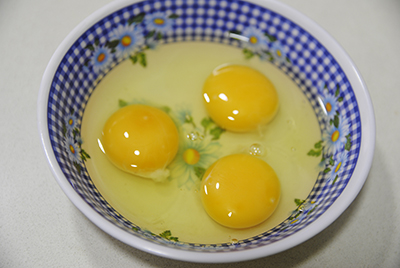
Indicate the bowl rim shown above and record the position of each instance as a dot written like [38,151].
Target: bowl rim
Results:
[337,208]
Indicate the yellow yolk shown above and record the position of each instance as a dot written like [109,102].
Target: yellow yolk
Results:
[141,140]
[239,98]
[240,191]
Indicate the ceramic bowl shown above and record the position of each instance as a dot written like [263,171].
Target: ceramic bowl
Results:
[290,41]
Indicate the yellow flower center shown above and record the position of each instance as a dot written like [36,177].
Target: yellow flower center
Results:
[338,167]
[253,39]
[101,57]
[328,107]
[72,149]
[70,122]
[191,156]
[279,53]
[126,40]
[335,135]
[159,21]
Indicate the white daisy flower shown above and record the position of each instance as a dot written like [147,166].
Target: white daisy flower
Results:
[334,136]
[73,149]
[130,39]
[101,59]
[159,22]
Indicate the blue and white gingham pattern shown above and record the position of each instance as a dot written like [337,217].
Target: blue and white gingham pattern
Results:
[210,21]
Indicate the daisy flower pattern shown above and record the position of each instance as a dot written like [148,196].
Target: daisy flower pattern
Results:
[329,105]
[193,158]
[260,44]
[278,52]
[328,101]
[340,163]
[184,116]
[130,38]
[158,22]
[257,41]
[335,135]
[140,32]
[300,213]
[336,138]
[73,149]
[70,122]
[101,58]
[73,141]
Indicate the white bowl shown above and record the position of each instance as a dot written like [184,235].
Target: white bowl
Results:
[315,57]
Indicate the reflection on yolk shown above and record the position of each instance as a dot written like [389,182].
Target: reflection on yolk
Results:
[141,140]
[240,191]
[239,98]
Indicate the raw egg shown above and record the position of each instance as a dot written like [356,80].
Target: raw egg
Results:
[240,191]
[141,140]
[239,98]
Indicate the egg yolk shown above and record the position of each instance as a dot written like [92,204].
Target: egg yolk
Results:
[239,98]
[141,140]
[240,191]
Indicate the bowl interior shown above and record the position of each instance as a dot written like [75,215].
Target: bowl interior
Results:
[278,39]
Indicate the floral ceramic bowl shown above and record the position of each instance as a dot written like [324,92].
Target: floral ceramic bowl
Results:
[127,29]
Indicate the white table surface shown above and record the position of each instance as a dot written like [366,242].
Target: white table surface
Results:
[40,227]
